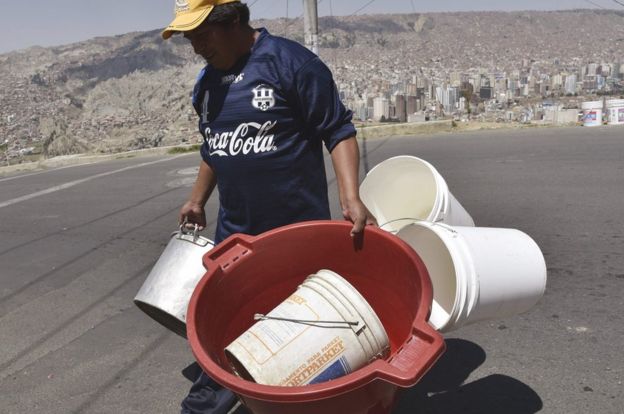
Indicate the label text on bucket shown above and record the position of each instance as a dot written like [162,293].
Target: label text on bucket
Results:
[315,364]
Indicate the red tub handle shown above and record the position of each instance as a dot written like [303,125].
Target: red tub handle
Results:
[229,253]
[414,359]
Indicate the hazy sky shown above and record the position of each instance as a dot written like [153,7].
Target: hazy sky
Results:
[55,22]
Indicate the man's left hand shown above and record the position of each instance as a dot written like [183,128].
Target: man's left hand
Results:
[356,212]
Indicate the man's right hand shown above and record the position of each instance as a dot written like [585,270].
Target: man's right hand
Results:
[193,213]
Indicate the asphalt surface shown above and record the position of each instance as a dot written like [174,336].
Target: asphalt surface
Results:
[77,242]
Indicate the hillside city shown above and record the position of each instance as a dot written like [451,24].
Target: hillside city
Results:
[131,91]
[530,93]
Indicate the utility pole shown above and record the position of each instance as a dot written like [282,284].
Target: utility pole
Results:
[310,24]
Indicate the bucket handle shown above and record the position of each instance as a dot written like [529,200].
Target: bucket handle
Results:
[229,253]
[184,230]
[446,227]
[185,233]
[439,221]
[414,359]
[412,219]
[318,324]
[446,202]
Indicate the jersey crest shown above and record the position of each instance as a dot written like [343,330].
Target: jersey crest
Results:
[263,98]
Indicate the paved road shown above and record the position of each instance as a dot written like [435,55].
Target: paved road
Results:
[77,243]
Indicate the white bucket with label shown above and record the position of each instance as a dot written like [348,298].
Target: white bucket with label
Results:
[477,273]
[592,113]
[405,189]
[615,111]
[324,330]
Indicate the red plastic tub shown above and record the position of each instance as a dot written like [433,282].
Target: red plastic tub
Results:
[248,275]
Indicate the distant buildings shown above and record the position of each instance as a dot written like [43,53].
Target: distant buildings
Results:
[570,85]
[381,109]
[401,108]
[425,93]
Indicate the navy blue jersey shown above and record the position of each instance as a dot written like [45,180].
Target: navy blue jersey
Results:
[264,123]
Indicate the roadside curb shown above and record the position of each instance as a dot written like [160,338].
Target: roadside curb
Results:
[79,159]
[403,129]
[365,132]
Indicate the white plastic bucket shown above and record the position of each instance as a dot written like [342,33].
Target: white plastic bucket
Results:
[325,330]
[592,113]
[477,273]
[615,111]
[405,189]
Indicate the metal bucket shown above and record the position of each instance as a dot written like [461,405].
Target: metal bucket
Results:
[166,292]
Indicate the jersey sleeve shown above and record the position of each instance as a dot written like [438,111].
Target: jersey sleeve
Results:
[323,113]
[197,89]
[204,152]
[195,99]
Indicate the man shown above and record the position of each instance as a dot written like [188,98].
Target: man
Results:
[266,107]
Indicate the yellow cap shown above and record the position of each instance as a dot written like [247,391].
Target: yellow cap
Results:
[191,13]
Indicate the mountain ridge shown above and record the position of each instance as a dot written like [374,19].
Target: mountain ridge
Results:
[131,91]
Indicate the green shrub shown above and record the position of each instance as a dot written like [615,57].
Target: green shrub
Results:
[183,150]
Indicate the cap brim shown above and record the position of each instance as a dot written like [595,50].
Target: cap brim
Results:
[186,22]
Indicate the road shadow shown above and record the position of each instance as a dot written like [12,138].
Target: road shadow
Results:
[443,389]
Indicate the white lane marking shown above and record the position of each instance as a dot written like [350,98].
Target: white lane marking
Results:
[15,177]
[82,180]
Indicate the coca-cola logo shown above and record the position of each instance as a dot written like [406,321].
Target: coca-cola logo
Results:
[247,138]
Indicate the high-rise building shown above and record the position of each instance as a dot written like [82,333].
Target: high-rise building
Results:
[360,111]
[411,104]
[591,69]
[509,95]
[500,84]
[452,99]
[485,80]
[448,97]
[556,81]
[486,92]
[590,84]
[381,108]
[401,108]
[439,94]
[475,82]
[570,84]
